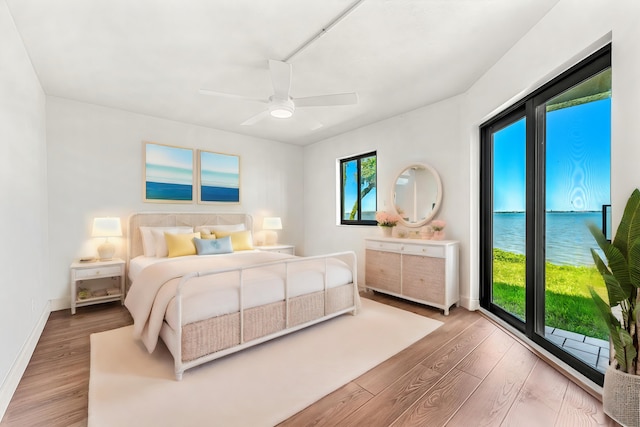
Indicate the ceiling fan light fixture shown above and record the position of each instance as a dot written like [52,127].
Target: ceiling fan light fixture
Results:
[281,109]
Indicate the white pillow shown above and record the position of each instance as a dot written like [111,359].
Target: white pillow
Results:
[149,240]
[212,229]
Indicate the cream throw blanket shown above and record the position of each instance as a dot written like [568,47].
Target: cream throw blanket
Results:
[156,285]
[150,299]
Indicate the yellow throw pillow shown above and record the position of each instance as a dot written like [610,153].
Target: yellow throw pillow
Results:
[181,244]
[205,234]
[240,240]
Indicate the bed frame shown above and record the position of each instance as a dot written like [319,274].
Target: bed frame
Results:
[200,342]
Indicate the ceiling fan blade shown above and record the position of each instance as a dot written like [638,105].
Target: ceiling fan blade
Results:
[230,96]
[255,119]
[280,78]
[327,100]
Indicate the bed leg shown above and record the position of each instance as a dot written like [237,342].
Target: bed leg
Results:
[179,375]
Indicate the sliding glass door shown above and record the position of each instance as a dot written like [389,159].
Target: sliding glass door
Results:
[545,174]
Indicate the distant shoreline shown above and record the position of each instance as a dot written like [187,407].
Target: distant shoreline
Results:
[501,212]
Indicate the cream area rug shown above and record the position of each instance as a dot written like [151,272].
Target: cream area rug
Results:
[260,386]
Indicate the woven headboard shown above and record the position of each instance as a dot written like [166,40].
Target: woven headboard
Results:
[165,219]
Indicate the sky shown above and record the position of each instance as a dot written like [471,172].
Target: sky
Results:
[169,156]
[578,160]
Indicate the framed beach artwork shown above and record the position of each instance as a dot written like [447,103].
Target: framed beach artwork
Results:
[218,177]
[168,174]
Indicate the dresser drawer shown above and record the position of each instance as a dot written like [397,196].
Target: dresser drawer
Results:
[384,246]
[430,251]
[89,273]
[382,270]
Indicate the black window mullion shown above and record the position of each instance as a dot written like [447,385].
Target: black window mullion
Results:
[538,147]
[359,187]
[358,220]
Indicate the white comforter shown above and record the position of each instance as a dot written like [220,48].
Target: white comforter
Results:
[151,299]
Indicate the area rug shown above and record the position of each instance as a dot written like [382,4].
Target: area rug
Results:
[260,386]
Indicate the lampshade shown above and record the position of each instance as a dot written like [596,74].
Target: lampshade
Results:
[272,223]
[106,227]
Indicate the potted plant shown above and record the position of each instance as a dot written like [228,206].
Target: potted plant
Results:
[386,222]
[437,225]
[621,274]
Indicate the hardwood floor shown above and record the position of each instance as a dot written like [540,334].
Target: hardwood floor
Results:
[466,373]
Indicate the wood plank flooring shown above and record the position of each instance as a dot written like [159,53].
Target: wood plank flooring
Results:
[466,373]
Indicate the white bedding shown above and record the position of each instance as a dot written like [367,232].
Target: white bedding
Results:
[139,263]
[151,298]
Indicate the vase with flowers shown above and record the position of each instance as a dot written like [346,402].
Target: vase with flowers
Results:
[437,226]
[386,222]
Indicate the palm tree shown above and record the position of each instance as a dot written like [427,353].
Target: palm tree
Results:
[368,180]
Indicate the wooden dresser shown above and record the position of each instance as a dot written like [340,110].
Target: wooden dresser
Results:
[424,271]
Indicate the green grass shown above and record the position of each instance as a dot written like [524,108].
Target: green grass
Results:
[568,302]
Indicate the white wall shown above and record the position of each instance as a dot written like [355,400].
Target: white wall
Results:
[446,134]
[429,135]
[568,33]
[24,290]
[95,169]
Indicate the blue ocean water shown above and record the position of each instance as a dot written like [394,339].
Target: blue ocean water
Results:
[568,240]
[165,191]
[219,194]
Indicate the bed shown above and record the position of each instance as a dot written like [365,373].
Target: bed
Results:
[208,305]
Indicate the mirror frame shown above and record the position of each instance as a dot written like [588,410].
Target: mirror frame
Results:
[435,209]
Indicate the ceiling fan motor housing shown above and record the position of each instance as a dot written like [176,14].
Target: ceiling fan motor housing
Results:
[281,108]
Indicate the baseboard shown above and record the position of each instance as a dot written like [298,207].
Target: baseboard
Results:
[470,304]
[60,304]
[9,386]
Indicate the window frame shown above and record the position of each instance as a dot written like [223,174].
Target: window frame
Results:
[358,158]
[532,107]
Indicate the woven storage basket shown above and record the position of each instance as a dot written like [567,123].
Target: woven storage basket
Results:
[621,397]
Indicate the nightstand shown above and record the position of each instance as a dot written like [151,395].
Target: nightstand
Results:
[283,249]
[87,290]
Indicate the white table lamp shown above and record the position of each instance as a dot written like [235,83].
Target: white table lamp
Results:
[270,224]
[106,227]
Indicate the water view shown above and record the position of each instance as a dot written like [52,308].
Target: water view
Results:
[568,241]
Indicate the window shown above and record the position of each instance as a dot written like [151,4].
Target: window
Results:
[545,173]
[358,199]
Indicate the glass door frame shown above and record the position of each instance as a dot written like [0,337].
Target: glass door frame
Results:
[533,109]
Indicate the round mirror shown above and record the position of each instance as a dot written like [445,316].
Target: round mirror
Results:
[417,194]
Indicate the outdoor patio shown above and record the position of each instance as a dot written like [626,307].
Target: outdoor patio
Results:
[593,351]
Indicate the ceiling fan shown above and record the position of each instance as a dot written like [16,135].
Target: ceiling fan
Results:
[281,105]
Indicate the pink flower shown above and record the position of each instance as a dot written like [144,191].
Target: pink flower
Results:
[438,225]
[386,219]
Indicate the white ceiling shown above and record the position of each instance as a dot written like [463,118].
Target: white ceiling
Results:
[152,56]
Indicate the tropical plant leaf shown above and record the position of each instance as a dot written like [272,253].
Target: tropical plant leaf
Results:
[605,311]
[621,275]
[617,263]
[600,238]
[634,263]
[629,228]
[630,351]
[600,264]
[614,327]
[615,292]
